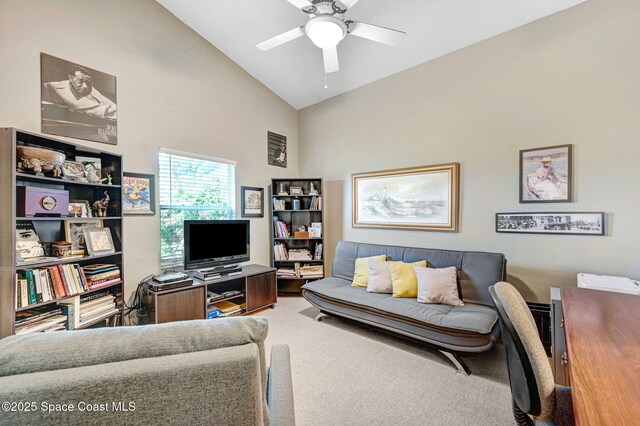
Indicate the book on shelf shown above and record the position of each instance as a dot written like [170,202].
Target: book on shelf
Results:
[49,283]
[316,203]
[228,308]
[279,204]
[311,271]
[281,229]
[300,254]
[317,252]
[36,320]
[280,252]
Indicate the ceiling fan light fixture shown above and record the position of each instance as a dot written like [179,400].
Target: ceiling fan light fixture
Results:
[325,31]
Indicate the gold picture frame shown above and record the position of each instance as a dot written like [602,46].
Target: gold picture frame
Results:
[421,198]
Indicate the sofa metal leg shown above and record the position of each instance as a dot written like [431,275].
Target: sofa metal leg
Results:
[457,361]
[319,317]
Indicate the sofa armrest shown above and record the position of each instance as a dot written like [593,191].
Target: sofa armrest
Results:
[280,388]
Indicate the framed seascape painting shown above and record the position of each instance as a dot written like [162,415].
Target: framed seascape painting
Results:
[422,198]
[566,223]
[138,194]
[77,101]
[546,174]
[252,201]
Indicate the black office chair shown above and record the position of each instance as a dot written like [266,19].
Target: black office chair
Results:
[536,398]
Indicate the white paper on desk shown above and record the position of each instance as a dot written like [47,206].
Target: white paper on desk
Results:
[609,283]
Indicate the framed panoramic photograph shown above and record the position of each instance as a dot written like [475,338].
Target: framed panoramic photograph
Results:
[565,223]
[422,198]
[74,233]
[139,194]
[77,101]
[546,174]
[252,201]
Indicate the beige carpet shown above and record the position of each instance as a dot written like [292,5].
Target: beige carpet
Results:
[346,374]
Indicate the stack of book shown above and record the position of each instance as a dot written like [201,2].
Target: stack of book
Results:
[35,320]
[286,272]
[317,252]
[228,308]
[95,306]
[311,271]
[299,254]
[278,204]
[102,275]
[280,252]
[281,230]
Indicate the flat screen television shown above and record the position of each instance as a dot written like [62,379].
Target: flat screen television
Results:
[211,243]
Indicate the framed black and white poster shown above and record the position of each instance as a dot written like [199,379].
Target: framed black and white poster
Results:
[252,201]
[565,223]
[77,101]
[276,150]
[546,175]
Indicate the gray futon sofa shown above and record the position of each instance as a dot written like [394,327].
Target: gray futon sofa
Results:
[469,328]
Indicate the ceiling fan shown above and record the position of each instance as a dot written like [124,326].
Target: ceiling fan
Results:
[326,28]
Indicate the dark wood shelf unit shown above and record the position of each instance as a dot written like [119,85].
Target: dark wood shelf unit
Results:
[256,282]
[295,218]
[52,228]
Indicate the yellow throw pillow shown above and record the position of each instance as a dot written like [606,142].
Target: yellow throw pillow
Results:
[403,278]
[361,273]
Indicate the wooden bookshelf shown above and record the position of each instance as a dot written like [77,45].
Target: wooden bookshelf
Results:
[51,229]
[309,210]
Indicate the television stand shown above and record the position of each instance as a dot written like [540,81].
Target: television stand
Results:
[256,284]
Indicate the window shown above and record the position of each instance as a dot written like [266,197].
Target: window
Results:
[192,187]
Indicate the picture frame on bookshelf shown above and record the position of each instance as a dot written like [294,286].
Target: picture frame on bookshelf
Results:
[73,170]
[420,198]
[92,168]
[296,190]
[74,233]
[138,194]
[79,208]
[98,241]
[252,201]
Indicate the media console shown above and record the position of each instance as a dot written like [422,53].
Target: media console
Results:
[256,284]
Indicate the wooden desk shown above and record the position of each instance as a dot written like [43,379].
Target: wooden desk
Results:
[602,331]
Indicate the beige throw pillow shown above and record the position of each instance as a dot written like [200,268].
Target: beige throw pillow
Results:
[379,277]
[438,285]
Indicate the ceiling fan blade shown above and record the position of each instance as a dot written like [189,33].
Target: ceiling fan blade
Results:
[376,33]
[281,39]
[301,4]
[330,56]
[348,4]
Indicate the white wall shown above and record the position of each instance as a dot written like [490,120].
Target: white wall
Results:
[174,90]
[572,78]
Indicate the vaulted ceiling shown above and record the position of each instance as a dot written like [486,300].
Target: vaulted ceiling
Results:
[295,72]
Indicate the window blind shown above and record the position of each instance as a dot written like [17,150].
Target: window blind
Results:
[192,187]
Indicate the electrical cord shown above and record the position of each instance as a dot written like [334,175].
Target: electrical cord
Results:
[138,310]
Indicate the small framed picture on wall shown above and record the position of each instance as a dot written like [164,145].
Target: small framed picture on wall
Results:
[138,194]
[546,174]
[252,201]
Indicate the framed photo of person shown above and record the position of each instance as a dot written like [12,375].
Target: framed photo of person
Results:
[546,174]
[77,101]
[72,170]
[92,168]
[79,208]
[73,230]
[139,194]
[276,150]
[252,201]
[421,198]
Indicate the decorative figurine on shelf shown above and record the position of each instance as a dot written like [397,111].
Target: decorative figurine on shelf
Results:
[100,207]
[302,229]
[282,191]
[109,179]
[313,190]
